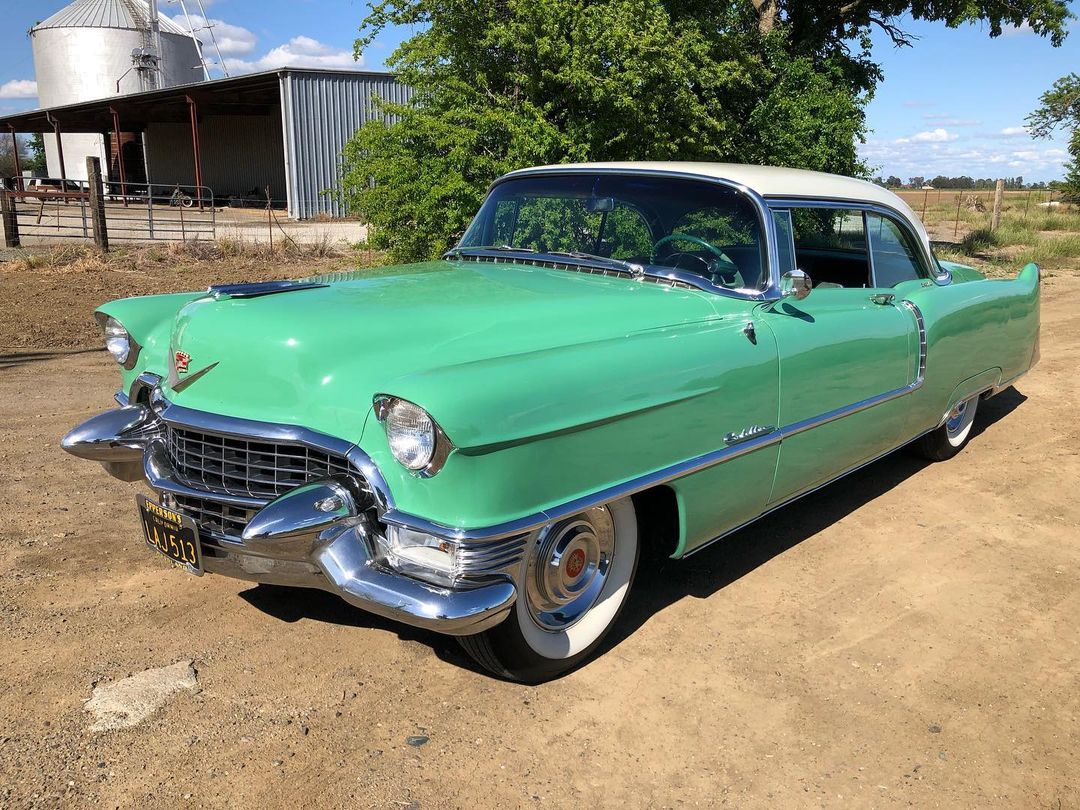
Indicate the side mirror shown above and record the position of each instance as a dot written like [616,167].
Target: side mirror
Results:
[796,283]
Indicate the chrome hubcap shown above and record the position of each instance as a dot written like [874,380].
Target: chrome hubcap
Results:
[958,419]
[568,568]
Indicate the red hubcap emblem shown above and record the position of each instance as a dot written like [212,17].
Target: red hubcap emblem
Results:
[575,563]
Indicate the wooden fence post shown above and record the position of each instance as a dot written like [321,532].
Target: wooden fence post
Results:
[999,192]
[9,213]
[97,203]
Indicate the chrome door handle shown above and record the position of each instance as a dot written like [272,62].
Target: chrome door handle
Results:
[883,298]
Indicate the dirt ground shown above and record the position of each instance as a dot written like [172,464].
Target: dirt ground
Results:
[906,637]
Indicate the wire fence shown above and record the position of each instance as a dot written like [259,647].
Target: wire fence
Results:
[51,208]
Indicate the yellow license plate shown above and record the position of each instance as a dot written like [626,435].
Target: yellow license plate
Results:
[172,534]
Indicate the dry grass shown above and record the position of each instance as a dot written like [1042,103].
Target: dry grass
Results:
[61,286]
[181,256]
[1030,231]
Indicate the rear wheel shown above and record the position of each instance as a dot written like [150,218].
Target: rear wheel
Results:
[575,584]
[949,439]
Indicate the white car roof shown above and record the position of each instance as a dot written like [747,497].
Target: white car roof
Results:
[768,181]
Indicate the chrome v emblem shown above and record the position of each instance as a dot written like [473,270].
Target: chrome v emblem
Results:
[178,384]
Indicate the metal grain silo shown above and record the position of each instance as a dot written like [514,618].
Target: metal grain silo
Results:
[84,52]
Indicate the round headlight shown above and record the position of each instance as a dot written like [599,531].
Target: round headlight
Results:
[410,433]
[117,340]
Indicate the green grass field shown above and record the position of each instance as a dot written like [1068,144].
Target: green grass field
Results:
[1030,230]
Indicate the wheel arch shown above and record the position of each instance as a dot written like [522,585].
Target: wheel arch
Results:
[659,521]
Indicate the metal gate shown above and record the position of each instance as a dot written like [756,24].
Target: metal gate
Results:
[44,209]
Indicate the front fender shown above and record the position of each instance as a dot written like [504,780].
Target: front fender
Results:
[534,432]
[149,321]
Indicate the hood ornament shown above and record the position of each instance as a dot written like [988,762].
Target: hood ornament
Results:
[180,365]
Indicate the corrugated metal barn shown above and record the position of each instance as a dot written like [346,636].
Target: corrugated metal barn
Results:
[282,129]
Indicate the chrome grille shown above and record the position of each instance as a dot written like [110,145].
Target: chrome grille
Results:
[256,468]
[213,517]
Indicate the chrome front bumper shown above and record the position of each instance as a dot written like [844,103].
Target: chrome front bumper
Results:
[319,535]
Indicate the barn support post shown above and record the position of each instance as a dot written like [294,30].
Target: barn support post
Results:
[59,149]
[9,214]
[97,203]
[119,154]
[15,155]
[193,109]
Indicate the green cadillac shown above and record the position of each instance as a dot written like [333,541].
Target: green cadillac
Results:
[616,358]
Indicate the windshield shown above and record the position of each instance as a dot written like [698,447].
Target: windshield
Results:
[656,221]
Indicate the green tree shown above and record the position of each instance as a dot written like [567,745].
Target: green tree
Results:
[500,85]
[7,157]
[1060,109]
[35,160]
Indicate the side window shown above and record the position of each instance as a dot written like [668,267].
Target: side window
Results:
[830,246]
[896,258]
[785,245]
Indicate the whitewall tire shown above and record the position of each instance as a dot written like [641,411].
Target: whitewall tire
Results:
[950,438]
[572,588]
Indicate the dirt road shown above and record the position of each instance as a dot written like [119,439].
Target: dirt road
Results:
[909,636]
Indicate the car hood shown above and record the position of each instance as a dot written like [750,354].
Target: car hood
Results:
[493,351]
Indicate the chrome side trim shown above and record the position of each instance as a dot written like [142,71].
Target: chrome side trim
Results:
[920,321]
[667,474]
[803,494]
[631,487]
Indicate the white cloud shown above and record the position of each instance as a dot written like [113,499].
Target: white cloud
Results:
[231,39]
[939,135]
[299,51]
[991,159]
[19,88]
[1014,132]
[1017,30]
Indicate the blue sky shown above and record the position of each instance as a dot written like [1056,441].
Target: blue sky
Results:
[953,104]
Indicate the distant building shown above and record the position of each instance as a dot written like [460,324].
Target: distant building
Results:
[93,49]
[281,130]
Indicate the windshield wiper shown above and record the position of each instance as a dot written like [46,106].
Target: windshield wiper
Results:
[629,267]
[635,270]
[457,251]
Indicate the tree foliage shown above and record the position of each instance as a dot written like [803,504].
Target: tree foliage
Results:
[501,84]
[35,159]
[1060,109]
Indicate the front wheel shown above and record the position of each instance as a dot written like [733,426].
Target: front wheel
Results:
[575,583]
[949,439]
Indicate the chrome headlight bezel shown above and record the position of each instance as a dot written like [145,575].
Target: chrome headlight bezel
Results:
[428,463]
[119,343]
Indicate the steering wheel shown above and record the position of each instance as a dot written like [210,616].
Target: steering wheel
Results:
[720,266]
